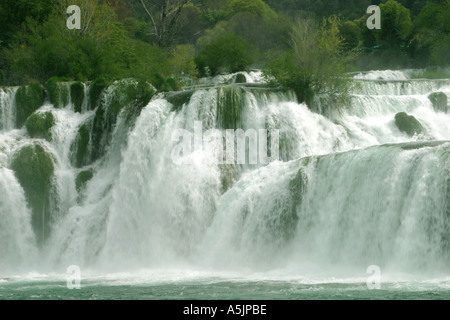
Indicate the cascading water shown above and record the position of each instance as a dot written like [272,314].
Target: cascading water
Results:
[349,189]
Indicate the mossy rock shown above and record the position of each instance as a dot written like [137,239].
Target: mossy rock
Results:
[82,179]
[228,175]
[34,168]
[77,95]
[95,91]
[39,125]
[297,187]
[230,105]
[165,84]
[58,91]
[80,147]
[408,124]
[28,100]
[179,99]
[125,95]
[439,101]
[129,94]
[240,78]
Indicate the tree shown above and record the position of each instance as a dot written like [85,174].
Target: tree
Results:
[316,62]
[396,24]
[226,53]
[434,32]
[351,34]
[254,7]
[13,13]
[164,18]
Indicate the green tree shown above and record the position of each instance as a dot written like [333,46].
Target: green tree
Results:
[165,19]
[396,24]
[254,7]
[226,53]
[13,13]
[316,62]
[350,33]
[433,36]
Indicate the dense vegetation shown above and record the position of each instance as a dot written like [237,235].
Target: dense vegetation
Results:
[148,40]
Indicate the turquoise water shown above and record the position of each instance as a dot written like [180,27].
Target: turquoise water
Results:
[120,287]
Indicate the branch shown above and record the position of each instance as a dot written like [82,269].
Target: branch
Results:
[151,17]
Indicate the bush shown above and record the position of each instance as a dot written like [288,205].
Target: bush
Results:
[316,62]
[227,53]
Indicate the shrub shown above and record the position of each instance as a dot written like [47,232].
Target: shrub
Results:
[227,53]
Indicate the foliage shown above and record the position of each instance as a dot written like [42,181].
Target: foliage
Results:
[227,53]
[431,73]
[396,24]
[182,61]
[316,63]
[351,35]
[433,37]
[254,7]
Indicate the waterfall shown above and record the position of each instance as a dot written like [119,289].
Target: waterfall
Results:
[7,110]
[349,189]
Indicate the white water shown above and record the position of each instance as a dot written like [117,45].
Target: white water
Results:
[385,205]
[7,109]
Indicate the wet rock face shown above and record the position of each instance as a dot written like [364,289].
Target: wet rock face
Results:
[34,168]
[77,95]
[28,100]
[240,78]
[39,125]
[408,124]
[439,101]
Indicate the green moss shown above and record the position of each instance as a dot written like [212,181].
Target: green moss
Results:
[34,168]
[82,179]
[130,94]
[52,89]
[80,147]
[58,91]
[240,78]
[228,175]
[39,125]
[100,129]
[77,95]
[416,145]
[230,104]
[297,187]
[431,73]
[408,124]
[95,91]
[178,99]
[164,84]
[127,95]
[439,101]
[28,100]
